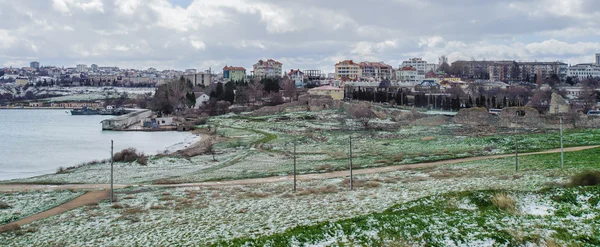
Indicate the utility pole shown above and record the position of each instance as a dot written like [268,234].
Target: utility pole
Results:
[111,171]
[516,143]
[294,166]
[562,153]
[351,186]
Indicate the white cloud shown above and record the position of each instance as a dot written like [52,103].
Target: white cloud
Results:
[197,44]
[306,34]
[60,6]
[430,41]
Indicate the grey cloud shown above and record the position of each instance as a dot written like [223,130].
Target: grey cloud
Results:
[302,34]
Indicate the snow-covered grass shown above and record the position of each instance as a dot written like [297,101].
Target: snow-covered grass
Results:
[432,221]
[203,215]
[23,204]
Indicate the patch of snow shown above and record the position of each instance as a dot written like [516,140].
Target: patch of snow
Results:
[533,205]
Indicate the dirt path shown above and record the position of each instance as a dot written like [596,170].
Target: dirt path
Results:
[85,199]
[97,196]
[27,187]
[345,173]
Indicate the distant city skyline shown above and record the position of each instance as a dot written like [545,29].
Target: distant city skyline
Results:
[308,34]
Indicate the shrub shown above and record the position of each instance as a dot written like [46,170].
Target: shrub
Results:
[126,155]
[142,160]
[61,170]
[588,178]
[130,155]
[4,205]
[504,202]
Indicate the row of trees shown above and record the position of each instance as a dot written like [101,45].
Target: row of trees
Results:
[177,95]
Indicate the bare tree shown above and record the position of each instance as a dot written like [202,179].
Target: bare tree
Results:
[362,113]
[255,91]
[289,89]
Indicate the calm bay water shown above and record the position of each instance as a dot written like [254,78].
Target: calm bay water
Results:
[36,142]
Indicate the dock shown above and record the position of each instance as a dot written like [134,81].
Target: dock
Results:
[125,121]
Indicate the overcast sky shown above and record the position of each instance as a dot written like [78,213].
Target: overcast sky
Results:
[305,34]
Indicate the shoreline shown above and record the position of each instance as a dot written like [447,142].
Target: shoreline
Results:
[194,138]
[33,108]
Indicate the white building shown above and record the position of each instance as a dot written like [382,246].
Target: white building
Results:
[409,74]
[269,68]
[190,71]
[297,77]
[584,71]
[201,100]
[198,79]
[81,68]
[598,59]
[420,65]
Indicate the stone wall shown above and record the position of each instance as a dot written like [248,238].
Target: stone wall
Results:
[509,118]
[473,116]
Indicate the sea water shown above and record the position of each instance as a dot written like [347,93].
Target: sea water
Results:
[37,142]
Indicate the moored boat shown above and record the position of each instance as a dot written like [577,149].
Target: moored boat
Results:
[84,111]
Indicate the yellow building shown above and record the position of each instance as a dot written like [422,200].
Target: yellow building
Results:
[450,79]
[335,92]
[347,70]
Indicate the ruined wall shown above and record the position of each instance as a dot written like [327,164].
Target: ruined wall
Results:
[473,116]
[509,118]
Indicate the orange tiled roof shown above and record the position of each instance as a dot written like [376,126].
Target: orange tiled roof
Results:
[294,71]
[350,62]
[233,68]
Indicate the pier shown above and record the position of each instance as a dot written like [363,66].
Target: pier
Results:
[123,122]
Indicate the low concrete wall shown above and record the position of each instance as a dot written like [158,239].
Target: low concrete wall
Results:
[125,121]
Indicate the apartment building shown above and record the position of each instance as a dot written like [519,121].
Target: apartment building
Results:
[348,70]
[81,68]
[584,71]
[420,65]
[409,74]
[376,70]
[231,73]
[268,68]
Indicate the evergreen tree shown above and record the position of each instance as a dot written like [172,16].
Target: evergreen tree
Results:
[229,94]
[219,90]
